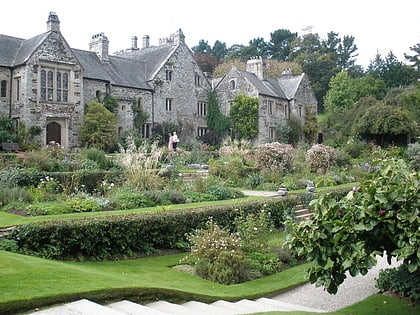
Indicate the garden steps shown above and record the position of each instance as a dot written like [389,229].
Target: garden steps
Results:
[245,306]
[302,213]
[4,232]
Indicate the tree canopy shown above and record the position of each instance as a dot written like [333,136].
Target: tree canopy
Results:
[382,215]
[99,127]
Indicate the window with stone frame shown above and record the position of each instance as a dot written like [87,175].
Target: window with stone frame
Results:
[286,111]
[232,84]
[54,85]
[201,109]
[270,106]
[3,91]
[145,131]
[17,80]
[168,73]
[271,133]
[169,104]
[201,131]
[197,80]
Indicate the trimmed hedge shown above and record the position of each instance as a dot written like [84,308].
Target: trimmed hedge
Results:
[134,234]
[139,234]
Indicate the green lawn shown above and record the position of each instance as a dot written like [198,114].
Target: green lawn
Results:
[32,282]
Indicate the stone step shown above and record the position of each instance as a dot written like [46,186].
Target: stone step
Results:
[128,307]
[245,306]
[207,308]
[80,307]
[5,232]
[172,308]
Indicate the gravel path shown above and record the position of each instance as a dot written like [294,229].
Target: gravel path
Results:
[353,290]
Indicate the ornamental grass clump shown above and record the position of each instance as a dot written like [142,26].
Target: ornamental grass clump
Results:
[141,165]
[320,158]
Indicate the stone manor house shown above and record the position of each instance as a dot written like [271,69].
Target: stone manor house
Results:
[46,84]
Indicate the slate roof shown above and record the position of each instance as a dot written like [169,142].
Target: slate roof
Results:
[118,71]
[154,57]
[290,84]
[15,51]
[284,87]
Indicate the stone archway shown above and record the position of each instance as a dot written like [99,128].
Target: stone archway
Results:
[53,132]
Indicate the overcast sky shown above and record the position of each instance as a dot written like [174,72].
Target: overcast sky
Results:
[377,25]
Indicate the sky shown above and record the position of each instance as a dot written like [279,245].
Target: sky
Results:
[378,26]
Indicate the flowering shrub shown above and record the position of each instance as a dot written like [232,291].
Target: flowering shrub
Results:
[232,257]
[321,157]
[274,156]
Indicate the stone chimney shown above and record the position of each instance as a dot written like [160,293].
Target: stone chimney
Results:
[100,45]
[146,41]
[257,66]
[53,23]
[179,37]
[134,43]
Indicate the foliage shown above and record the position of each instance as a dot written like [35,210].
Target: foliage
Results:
[224,67]
[244,115]
[99,127]
[321,157]
[392,71]
[229,257]
[216,121]
[310,127]
[346,234]
[385,124]
[7,134]
[400,281]
[274,156]
[111,103]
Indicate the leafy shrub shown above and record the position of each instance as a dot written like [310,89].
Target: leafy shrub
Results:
[400,281]
[194,196]
[98,157]
[265,263]
[221,192]
[129,198]
[321,157]
[274,156]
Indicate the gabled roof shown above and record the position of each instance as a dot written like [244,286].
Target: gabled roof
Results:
[260,85]
[15,51]
[118,71]
[154,57]
[290,84]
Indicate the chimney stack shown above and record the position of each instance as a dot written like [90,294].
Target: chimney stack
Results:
[53,23]
[100,45]
[256,66]
[146,41]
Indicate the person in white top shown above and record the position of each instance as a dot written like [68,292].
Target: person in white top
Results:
[175,140]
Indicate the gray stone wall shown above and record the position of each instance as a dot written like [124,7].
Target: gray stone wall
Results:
[5,74]
[183,92]
[32,111]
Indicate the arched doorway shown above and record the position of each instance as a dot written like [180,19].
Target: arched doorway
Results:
[53,132]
